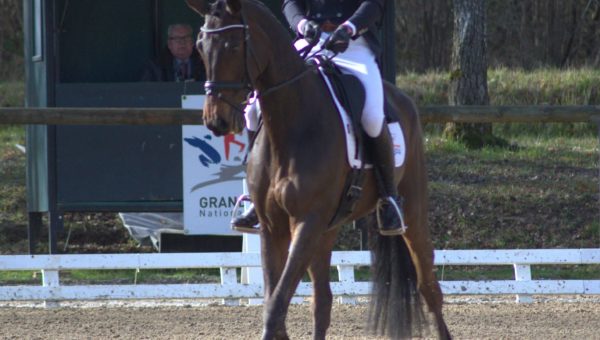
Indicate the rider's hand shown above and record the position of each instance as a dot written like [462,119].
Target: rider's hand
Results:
[339,39]
[311,31]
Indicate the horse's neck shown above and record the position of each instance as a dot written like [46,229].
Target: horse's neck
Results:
[295,111]
[298,115]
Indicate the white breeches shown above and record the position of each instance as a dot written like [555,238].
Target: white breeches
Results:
[359,61]
[251,113]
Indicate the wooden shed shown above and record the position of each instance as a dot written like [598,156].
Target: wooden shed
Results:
[88,53]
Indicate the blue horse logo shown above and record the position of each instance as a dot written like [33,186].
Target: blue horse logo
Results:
[208,154]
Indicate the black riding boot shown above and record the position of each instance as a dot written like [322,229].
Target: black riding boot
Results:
[246,223]
[389,208]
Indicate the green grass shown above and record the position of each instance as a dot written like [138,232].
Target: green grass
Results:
[131,276]
[13,214]
[502,272]
[513,87]
[12,94]
[22,277]
[544,86]
[538,272]
[518,87]
[13,211]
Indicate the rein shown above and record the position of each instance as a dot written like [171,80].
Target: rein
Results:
[284,83]
[215,87]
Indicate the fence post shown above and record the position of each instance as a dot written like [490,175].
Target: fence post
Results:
[523,273]
[50,279]
[346,277]
[229,277]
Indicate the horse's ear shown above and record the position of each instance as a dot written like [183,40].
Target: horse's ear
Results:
[200,6]
[233,6]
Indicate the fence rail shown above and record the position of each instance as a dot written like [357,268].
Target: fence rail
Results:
[176,116]
[230,287]
[346,262]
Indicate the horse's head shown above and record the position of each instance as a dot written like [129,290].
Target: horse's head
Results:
[224,45]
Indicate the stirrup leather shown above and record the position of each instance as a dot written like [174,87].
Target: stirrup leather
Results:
[385,231]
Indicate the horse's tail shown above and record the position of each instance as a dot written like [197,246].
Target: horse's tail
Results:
[396,310]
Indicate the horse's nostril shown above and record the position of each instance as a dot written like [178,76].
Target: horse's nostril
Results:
[221,124]
[218,126]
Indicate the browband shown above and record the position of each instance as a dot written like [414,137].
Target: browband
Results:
[221,29]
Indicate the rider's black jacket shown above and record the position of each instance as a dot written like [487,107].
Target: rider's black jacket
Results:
[366,15]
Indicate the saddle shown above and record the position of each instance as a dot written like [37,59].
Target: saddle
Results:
[350,94]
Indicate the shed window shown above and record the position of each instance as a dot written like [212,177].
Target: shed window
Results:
[37,30]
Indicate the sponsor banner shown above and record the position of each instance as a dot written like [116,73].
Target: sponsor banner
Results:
[213,176]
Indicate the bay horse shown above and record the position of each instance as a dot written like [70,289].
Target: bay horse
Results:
[297,169]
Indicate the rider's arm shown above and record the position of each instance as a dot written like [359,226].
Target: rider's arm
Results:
[294,11]
[366,15]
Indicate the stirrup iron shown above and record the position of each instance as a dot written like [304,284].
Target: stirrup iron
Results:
[391,232]
[236,208]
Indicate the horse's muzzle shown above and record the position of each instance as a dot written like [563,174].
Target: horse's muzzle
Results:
[218,126]
[222,118]
[221,126]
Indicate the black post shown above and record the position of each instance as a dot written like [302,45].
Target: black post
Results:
[596,119]
[388,41]
[362,225]
[54,217]
[56,225]
[34,229]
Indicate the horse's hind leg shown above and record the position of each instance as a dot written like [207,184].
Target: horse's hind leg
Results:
[421,249]
[413,187]
[319,274]
[422,254]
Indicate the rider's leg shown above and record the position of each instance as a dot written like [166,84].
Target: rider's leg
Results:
[391,217]
[360,61]
[248,220]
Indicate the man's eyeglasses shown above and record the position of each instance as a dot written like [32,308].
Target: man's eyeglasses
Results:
[181,40]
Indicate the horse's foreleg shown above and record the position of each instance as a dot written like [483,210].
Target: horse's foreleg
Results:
[274,253]
[319,274]
[305,240]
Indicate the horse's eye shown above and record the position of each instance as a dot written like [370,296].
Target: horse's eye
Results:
[232,45]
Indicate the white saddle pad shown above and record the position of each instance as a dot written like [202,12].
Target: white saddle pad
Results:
[351,147]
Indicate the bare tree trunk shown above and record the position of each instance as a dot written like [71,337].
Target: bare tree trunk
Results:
[469,70]
[469,59]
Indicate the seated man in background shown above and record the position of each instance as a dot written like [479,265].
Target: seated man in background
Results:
[179,62]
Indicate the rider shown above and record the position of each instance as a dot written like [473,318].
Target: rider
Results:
[348,28]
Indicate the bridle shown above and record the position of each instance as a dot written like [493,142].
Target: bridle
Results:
[215,88]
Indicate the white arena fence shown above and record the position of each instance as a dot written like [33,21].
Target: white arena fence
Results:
[232,288]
